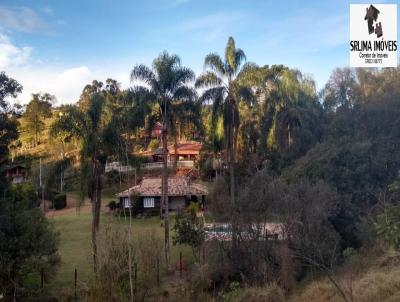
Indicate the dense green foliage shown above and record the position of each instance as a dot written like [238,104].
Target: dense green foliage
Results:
[359,150]
[8,122]
[188,229]
[323,164]
[28,243]
[38,109]
[388,225]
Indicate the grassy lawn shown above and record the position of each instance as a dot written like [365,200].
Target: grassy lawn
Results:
[74,248]
[75,244]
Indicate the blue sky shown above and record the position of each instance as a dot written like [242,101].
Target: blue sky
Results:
[59,46]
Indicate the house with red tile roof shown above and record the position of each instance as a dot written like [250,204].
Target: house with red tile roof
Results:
[146,197]
[184,151]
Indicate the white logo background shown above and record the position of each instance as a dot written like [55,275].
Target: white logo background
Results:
[359,32]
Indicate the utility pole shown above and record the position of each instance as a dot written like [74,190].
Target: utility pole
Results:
[62,172]
[164,186]
[41,184]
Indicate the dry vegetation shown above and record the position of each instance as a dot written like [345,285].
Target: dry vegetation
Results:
[376,280]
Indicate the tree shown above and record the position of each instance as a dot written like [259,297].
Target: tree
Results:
[225,89]
[9,88]
[387,225]
[88,126]
[38,109]
[167,88]
[189,230]
[187,113]
[340,90]
[101,124]
[88,91]
[28,242]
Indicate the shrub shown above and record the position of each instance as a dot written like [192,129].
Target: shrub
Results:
[210,282]
[232,292]
[112,205]
[60,201]
[154,144]
[116,256]
[388,225]
[148,258]
[188,229]
[269,293]
[28,245]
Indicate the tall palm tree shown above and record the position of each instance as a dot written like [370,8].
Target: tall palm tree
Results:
[180,113]
[224,81]
[187,113]
[167,87]
[88,127]
[294,105]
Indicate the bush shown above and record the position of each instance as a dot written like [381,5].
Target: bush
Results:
[388,226]
[28,245]
[188,229]
[232,292]
[112,205]
[116,254]
[60,201]
[153,144]
[269,293]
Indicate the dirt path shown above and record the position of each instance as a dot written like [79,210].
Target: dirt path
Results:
[83,209]
[71,207]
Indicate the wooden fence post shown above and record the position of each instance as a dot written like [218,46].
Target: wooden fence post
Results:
[75,282]
[135,267]
[158,271]
[41,279]
[180,264]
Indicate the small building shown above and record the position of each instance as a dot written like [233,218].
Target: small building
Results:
[146,197]
[185,151]
[16,173]
[155,133]
[158,154]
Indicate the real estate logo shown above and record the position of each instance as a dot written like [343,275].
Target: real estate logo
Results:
[373,35]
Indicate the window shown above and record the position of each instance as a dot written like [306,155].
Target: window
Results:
[148,202]
[127,204]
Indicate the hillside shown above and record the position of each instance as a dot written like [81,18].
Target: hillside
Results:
[364,278]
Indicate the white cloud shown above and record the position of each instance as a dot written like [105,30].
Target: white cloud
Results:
[36,75]
[12,55]
[22,18]
[65,83]
[72,73]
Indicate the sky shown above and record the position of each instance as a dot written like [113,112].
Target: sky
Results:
[59,46]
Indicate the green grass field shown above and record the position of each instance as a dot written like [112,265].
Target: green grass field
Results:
[75,245]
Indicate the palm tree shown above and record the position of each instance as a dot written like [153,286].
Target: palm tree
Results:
[294,105]
[225,87]
[86,125]
[166,86]
[186,113]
